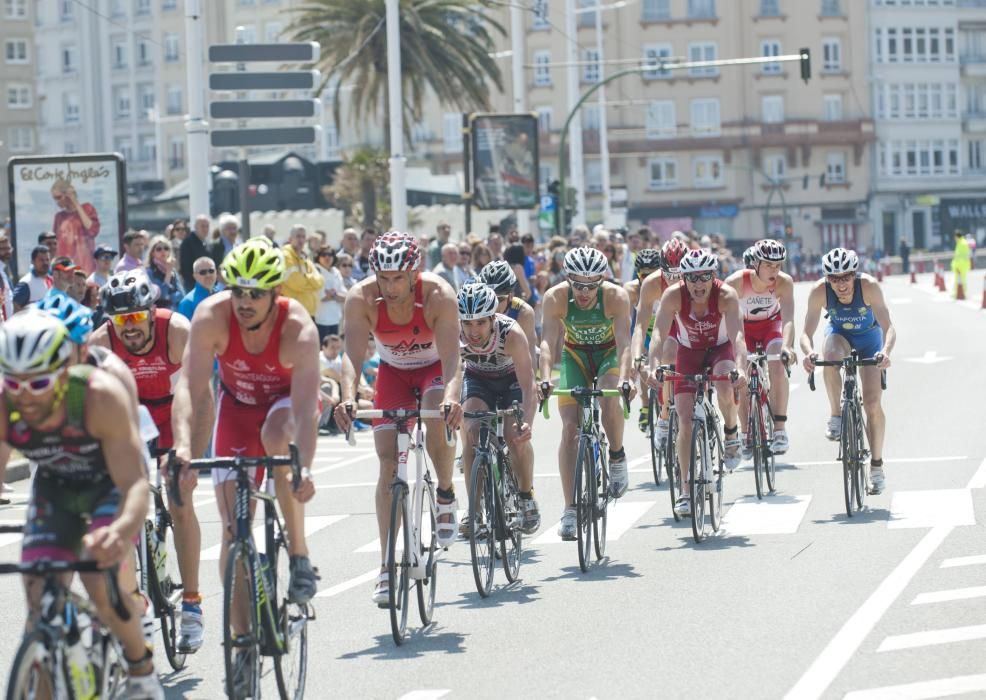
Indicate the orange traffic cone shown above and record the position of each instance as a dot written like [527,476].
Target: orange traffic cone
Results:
[959,290]
[939,278]
[984,293]
[914,277]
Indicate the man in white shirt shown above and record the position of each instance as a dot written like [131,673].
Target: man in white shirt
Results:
[447,268]
[36,283]
[104,255]
[6,288]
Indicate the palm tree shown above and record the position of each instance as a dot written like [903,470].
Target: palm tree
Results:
[445,46]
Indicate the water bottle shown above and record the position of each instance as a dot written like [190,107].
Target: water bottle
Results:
[267,624]
[160,555]
[82,674]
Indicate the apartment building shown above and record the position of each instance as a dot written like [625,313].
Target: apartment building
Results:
[18,94]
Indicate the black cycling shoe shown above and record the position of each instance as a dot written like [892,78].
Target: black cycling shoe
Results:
[304,580]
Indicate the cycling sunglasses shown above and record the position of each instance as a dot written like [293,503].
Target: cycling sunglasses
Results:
[584,286]
[240,292]
[839,279]
[36,385]
[696,277]
[133,317]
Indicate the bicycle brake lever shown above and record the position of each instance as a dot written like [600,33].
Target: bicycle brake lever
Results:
[811,381]
[449,438]
[116,600]
[173,469]
[295,466]
[625,389]
[350,438]
[545,393]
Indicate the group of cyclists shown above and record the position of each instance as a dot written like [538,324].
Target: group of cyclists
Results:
[243,376]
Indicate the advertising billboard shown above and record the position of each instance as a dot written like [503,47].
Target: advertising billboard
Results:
[505,161]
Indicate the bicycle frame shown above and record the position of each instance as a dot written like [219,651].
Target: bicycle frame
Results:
[422,478]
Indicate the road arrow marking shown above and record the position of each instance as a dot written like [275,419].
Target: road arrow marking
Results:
[929,358]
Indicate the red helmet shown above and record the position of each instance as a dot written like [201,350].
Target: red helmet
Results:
[671,254]
[395,252]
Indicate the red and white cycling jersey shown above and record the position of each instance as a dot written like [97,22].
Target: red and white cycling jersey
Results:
[706,332]
[405,346]
[758,306]
[255,380]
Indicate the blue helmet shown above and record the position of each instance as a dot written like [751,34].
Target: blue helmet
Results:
[76,317]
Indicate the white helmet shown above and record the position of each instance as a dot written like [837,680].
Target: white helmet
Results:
[699,260]
[395,252]
[498,275]
[128,291]
[769,250]
[585,262]
[33,341]
[839,261]
[476,301]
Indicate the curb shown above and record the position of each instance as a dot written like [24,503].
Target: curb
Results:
[17,471]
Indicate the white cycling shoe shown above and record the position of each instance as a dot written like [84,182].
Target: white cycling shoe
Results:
[780,444]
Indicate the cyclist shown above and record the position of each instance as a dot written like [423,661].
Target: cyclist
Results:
[267,349]
[858,319]
[89,496]
[709,329]
[501,277]
[591,315]
[651,291]
[767,299]
[645,263]
[413,318]
[497,371]
[750,258]
[151,341]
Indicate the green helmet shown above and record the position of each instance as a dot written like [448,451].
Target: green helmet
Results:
[255,264]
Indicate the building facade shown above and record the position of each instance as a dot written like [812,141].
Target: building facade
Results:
[18,90]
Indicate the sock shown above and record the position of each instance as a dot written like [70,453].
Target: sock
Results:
[446,495]
[616,455]
[526,494]
[731,431]
[876,463]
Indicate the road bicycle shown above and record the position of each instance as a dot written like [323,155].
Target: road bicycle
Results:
[68,654]
[663,451]
[591,488]
[853,450]
[760,424]
[412,552]
[653,408]
[255,586]
[494,510]
[706,464]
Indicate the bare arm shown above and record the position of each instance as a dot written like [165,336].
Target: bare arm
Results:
[816,301]
[785,294]
[357,337]
[526,321]
[618,309]
[873,295]
[178,328]
[194,388]
[305,387]
[517,347]
[645,308]
[100,336]
[551,331]
[670,305]
[446,329]
[729,303]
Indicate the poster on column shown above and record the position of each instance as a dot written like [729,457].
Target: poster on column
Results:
[505,160]
[82,198]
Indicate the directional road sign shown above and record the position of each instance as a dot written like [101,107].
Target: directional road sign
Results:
[280,136]
[283,53]
[263,108]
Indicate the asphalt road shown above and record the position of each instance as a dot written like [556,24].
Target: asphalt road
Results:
[792,599]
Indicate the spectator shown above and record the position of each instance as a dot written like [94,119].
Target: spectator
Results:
[329,312]
[350,243]
[580,236]
[49,239]
[36,283]
[229,231]
[316,241]
[270,233]
[161,271]
[447,265]
[514,255]
[480,258]
[362,261]
[344,263]
[193,248]
[6,287]
[178,233]
[463,269]
[372,364]
[91,300]
[134,243]
[104,255]
[527,243]
[495,243]
[62,273]
[77,290]
[435,249]
[302,281]
[205,274]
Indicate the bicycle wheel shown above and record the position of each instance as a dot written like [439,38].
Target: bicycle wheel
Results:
[847,448]
[164,588]
[428,555]
[755,436]
[291,664]
[585,487]
[675,488]
[696,480]
[115,668]
[717,459]
[600,503]
[31,674]
[482,524]
[656,451]
[862,473]
[770,462]
[398,562]
[241,652]
[512,541]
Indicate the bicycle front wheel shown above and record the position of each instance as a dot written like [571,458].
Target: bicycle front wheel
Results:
[241,650]
[656,451]
[860,485]
[717,459]
[696,480]
[600,504]
[482,524]
[755,436]
[770,462]
[164,593]
[428,555]
[31,674]
[670,448]
[399,562]
[512,540]
[585,496]
[291,664]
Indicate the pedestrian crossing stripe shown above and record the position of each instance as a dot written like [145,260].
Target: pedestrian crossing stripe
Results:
[914,509]
[774,515]
[313,523]
[622,516]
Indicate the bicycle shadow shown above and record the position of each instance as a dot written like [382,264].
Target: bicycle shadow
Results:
[419,643]
[516,593]
[863,517]
[602,570]
[713,542]
[180,684]
[649,486]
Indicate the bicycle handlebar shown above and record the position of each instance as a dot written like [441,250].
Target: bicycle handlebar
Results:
[580,392]
[401,414]
[782,357]
[47,567]
[515,411]
[292,460]
[846,361]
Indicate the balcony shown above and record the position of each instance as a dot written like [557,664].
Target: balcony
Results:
[973,65]
[974,122]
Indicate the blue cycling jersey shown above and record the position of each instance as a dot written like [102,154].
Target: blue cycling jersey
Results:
[854,318]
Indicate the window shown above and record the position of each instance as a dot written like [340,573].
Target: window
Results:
[832,108]
[775,167]
[914,45]
[663,173]
[18,96]
[171,48]
[15,9]
[121,102]
[831,55]
[541,15]
[544,119]
[772,109]
[117,8]
[66,10]
[272,32]
[770,47]
[918,101]
[452,132]
[703,51]
[143,52]
[15,50]
[653,54]
[590,117]
[145,95]
[118,52]
[70,107]
[830,8]
[173,100]
[146,149]
[71,147]
[587,18]
[977,155]
[705,116]
[69,59]
[248,35]
[169,4]
[655,10]
[707,171]
[770,8]
[590,71]
[124,147]
[542,71]
[661,120]
[594,176]
[835,168]
[21,139]
[420,133]
[142,7]
[701,9]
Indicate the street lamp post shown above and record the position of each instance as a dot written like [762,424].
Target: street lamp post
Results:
[398,184]
[196,127]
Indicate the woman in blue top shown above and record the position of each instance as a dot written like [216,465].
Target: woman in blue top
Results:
[858,319]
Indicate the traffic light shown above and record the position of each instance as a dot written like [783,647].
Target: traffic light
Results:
[570,201]
[805,64]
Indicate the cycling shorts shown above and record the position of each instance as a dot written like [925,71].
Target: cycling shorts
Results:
[867,344]
[495,392]
[762,333]
[581,367]
[237,432]
[395,389]
[692,361]
[62,512]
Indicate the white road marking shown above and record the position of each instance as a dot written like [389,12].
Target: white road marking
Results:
[424,695]
[944,687]
[954,594]
[964,561]
[887,460]
[773,515]
[313,523]
[351,583]
[374,546]
[911,509]
[930,357]
[344,463]
[933,637]
[621,517]
[978,480]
